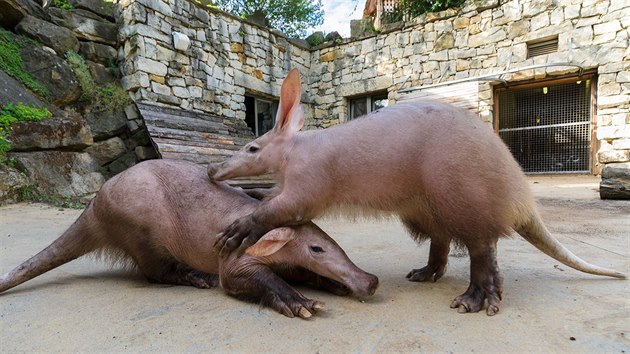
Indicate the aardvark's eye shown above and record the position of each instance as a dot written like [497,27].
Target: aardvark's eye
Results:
[317,249]
[252,149]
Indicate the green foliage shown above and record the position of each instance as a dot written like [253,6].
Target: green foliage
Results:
[292,17]
[10,114]
[103,98]
[205,3]
[414,8]
[62,4]
[12,64]
[314,41]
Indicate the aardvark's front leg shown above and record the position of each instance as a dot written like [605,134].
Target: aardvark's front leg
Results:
[259,284]
[247,230]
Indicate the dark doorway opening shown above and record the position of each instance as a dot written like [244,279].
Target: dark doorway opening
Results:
[547,126]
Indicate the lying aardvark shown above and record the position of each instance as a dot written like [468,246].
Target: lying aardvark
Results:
[157,215]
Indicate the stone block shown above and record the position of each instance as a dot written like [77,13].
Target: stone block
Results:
[105,125]
[62,173]
[151,66]
[135,81]
[329,56]
[160,88]
[107,151]
[60,39]
[86,25]
[158,6]
[102,8]
[612,26]
[594,9]
[100,53]
[539,21]
[623,76]
[461,23]
[615,183]
[621,144]
[181,41]
[444,41]
[181,92]
[613,156]
[11,181]
[52,72]
[53,133]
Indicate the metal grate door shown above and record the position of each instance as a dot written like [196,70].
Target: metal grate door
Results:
[548,128]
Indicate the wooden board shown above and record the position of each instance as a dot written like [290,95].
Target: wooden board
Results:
[465,95]
[198,137]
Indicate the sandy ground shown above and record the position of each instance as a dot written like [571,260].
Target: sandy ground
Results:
[85,306]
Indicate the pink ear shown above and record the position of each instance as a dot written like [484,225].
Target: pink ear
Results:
[290,117]
[271,242]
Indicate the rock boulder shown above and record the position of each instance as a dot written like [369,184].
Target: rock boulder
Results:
[60,39]
[11,181]
[52,72]
[102,8]
[13,11]
[105,125]
[70,174]
[615,183]
[50,134]
[86,25]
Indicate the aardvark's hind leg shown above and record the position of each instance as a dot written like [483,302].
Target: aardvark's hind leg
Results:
[485,280]
[176,273]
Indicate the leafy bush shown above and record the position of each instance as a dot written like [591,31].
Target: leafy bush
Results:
[105,98]
[62,4]
[10,114]
[414,8]
[12,64]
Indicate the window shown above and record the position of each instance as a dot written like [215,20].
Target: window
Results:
[260,114]
[542,47]
[363,105]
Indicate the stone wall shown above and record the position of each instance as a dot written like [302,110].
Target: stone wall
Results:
[179,54]
[227,57]
[478,39]
[74,152]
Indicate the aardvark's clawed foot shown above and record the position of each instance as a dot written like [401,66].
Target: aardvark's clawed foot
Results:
[292,305]
[474,298]
[429,272]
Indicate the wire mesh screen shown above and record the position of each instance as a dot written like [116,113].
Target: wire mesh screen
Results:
[548,128]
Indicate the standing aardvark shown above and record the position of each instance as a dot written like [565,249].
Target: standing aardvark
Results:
[445,173]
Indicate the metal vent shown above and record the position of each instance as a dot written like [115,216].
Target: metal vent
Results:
[542,47]
[548,129]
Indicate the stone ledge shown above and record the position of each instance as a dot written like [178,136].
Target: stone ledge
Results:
[615,183]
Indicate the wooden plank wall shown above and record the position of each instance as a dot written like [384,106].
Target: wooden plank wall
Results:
[465,95]
[198,137]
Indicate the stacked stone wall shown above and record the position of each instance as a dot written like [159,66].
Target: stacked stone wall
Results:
[228,57]
[179,54]
[484,38]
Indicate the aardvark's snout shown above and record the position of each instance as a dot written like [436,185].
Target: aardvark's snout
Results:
[368,286]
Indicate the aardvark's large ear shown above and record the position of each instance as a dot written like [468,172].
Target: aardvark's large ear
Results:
[271,242]
[290,117]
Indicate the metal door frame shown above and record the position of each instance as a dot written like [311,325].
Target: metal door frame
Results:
[594,167]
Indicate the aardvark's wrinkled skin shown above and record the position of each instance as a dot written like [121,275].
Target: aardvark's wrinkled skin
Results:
[157,215]
[445,173]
